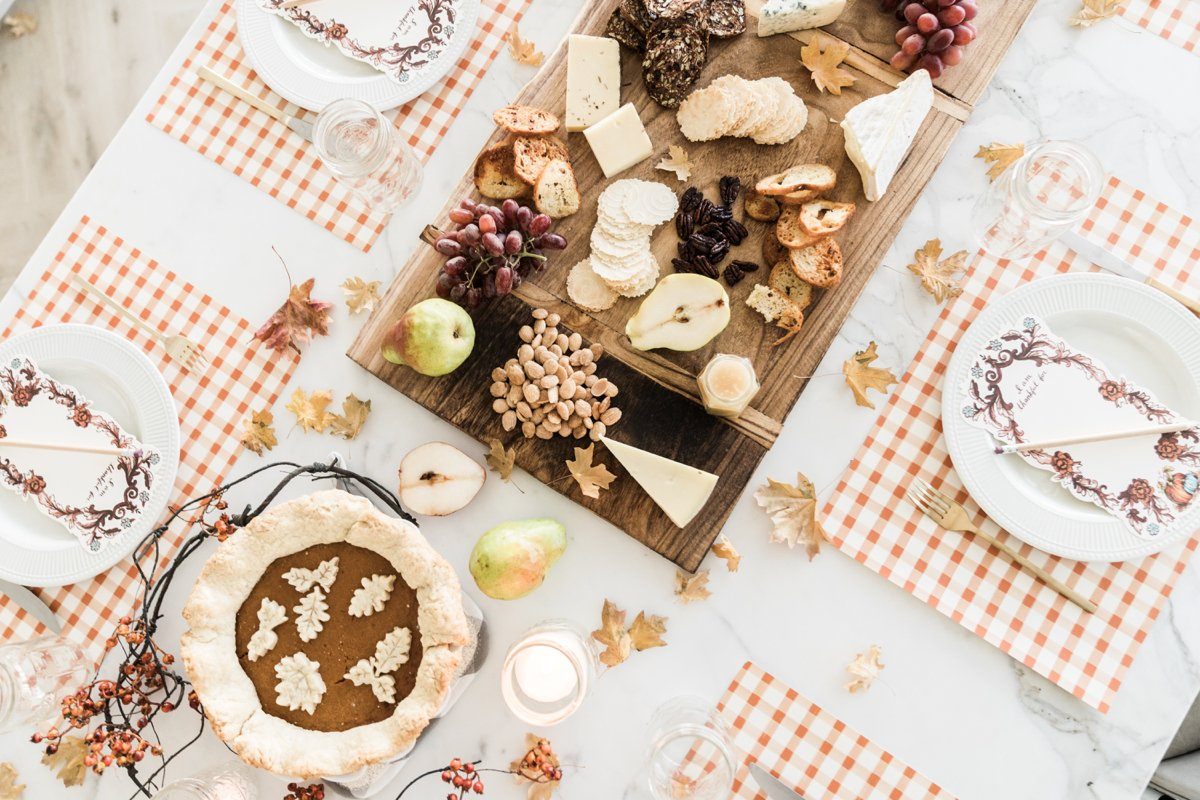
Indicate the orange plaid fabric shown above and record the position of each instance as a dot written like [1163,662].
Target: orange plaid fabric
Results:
[1177,21]
[242,374]
[266,153]
[869,518]
[809,749]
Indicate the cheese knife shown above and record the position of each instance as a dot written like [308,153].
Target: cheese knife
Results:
[1110,263]
[32,604]
[299,126]
[772,786]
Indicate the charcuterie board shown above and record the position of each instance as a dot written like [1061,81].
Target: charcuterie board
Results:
[659,398]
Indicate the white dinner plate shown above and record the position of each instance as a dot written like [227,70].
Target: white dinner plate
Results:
[310,74]
[1133,330]
[119,380]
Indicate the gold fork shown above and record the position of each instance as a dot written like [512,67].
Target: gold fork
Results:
[953,517]
[179,348]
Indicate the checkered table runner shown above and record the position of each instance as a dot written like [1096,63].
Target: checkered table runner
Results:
[869,519]
[242,375]
[1177,21]
[809,749]
[264,152]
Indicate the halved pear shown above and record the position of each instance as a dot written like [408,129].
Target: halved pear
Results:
[437,479]
[684,312]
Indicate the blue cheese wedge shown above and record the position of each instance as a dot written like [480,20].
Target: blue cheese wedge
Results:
[681,491]
[593,79]
[619,140]
[880,130]
[784,16]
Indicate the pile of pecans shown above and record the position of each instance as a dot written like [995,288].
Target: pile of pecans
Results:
[707,231]
[551,387]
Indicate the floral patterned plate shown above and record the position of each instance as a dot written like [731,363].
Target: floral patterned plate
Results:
[1123,331]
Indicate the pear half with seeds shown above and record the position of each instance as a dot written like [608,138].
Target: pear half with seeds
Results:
[684,312]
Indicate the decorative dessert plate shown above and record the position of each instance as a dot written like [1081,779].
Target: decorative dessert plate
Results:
[118,381]
[1131,331]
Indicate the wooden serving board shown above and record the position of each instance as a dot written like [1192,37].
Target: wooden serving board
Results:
[658,393]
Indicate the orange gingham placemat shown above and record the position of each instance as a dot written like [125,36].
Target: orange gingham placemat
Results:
[869,519]
[243,374]
[264,152]
[809,749]
[1177,21]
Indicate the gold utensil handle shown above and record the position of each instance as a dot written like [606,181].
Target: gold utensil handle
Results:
[227,85]
[1182,299]
[1045,577]
[114,306]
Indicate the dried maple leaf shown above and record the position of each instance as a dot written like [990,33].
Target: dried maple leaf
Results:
[613,635]
[723,548]
[67,760]
[825,65]
[676,161]
[865,668]
[539,766]
[20,23]
[9,788]
[1093,11]
[590,477]
[500,459]
[860,375]
[942,279]
[999,156]
[349,423]
[647,631]
[690,588]
[297,320]
[310,410]
[360,295]
[793,513]
[258,433]
[522,50]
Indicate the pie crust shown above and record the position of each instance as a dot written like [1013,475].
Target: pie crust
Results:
[226,692]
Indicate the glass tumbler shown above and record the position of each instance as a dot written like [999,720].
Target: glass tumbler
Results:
[548,672]
[227,782]
[35,675]
[365,153]
[691,755]
[1039,197]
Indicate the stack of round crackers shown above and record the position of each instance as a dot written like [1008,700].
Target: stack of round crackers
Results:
[766,110]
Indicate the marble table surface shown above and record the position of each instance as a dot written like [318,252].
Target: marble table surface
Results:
[951,705]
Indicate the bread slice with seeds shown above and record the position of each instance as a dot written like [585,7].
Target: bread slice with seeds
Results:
[784,281]
[819,264]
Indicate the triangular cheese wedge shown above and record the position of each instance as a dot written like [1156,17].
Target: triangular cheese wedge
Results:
[879,130]
[679,490]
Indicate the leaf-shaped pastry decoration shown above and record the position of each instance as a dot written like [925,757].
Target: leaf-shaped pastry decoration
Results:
[312,612]
[392,650]
[860,375]
[1092,11]
[825,63]
[723,548]
[304,579]
[941,278]
[864,669]
[270,616]
[590,477]
[999,156]
[793,513]
[363,673]
[67,760]
[370,598]
[690,588]
[299,686]
[361,295]
[676,160]
[390,653]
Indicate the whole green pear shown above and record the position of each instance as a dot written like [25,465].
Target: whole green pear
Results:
[433,337]
[512,559]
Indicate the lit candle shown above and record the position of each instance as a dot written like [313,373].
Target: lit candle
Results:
[544,673]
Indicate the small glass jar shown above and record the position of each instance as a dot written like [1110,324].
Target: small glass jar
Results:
[364,152]
[34,678]
[1039,197]
[548,672]
[227,782]
[691,753]
[727,385]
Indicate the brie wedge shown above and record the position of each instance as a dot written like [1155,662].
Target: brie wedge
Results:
[784,16]
[879,130]
[681,491]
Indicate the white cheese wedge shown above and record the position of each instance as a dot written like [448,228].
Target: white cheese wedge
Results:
[784,16]
[880,130]
[619,140]
[593,79]
[679,490]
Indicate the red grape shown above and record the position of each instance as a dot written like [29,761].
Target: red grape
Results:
[504,280]
[539,225]
[912,11]
[524,215]
[952,55]
[513,242]
[940,41]
[903,61]
[487,224]
[913,45]
[962,35]
[447,246]
[469,235]
[904,33]
[461,215]
[493,244]
[927,23]
[932,64]
[552,241]
[970,7]
[949,17]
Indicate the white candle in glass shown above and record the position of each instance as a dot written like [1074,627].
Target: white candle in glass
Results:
[547,673]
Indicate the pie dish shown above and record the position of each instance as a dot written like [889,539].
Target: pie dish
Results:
[323,637]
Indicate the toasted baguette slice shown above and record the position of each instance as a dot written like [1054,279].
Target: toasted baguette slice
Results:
[789,231]
[819,264]
[784,281]
[495,176]
[525,120]
[774,306]
[556,194]
[823,217]
[531,154]
[760,207]
[798,197]
[816,177]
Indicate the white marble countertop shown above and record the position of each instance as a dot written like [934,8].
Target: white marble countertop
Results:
[950,704]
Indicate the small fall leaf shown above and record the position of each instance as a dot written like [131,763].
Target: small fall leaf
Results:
[825,65]
[676,161]
[500,459]
[942,279]
[348,424]
[360,295]
[311,410]
[723,548]
[1092,11]
[690,588]
[298,320]
[999,156]
[590,477]
[613,635]
[682,787]
[793,513]
[860,375]
[9,788]
[647,631]
[67,761]
[258,433]
[531,768]
[523,51]
[20,23]
[865,668]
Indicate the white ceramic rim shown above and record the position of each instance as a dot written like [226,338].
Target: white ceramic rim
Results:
[158,426]
[971,449]
[297,85]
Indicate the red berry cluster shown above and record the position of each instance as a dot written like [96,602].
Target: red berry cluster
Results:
[463,777]
[935,32]
[313,791]
[540,764]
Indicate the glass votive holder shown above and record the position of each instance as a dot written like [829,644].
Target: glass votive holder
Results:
[366,153]
[35,675]
[230,781]
[691,753]
[548,672]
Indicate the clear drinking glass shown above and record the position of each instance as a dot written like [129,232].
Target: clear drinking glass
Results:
[365,153]
[548,672]
[35,675]
[226,782]
[691,754]
[1037,199]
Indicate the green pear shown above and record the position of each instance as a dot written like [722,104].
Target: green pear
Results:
[512,559]
[433,337]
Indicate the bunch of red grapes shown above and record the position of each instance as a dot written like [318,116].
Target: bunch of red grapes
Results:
[492,250]
[934,33]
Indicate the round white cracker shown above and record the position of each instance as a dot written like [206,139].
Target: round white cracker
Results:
[616,249]
[643,282]
[587,289]
[652,204]
[782,125]
[706,113]
[617,270]
[619,230]
[611,204]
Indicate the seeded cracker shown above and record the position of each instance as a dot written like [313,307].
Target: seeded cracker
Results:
[671,9]
[726,18]
[635,13]
[625,32]
[676,51]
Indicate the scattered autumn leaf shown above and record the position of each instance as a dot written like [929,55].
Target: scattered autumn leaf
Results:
[1092,11]
[311,410]
[724,549]
[360,295]
[349,423]
[676,161]
[999,156]
[942,279]
[690,588]
[522,50]
[67,760]
[590,477]
[865,668]
[645,632]
[500,459]
[860,375]
[682,787]
[825,64]
[539,767]
[9,788]
[20,23]
[793,513]
[258,433]
[297,320]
